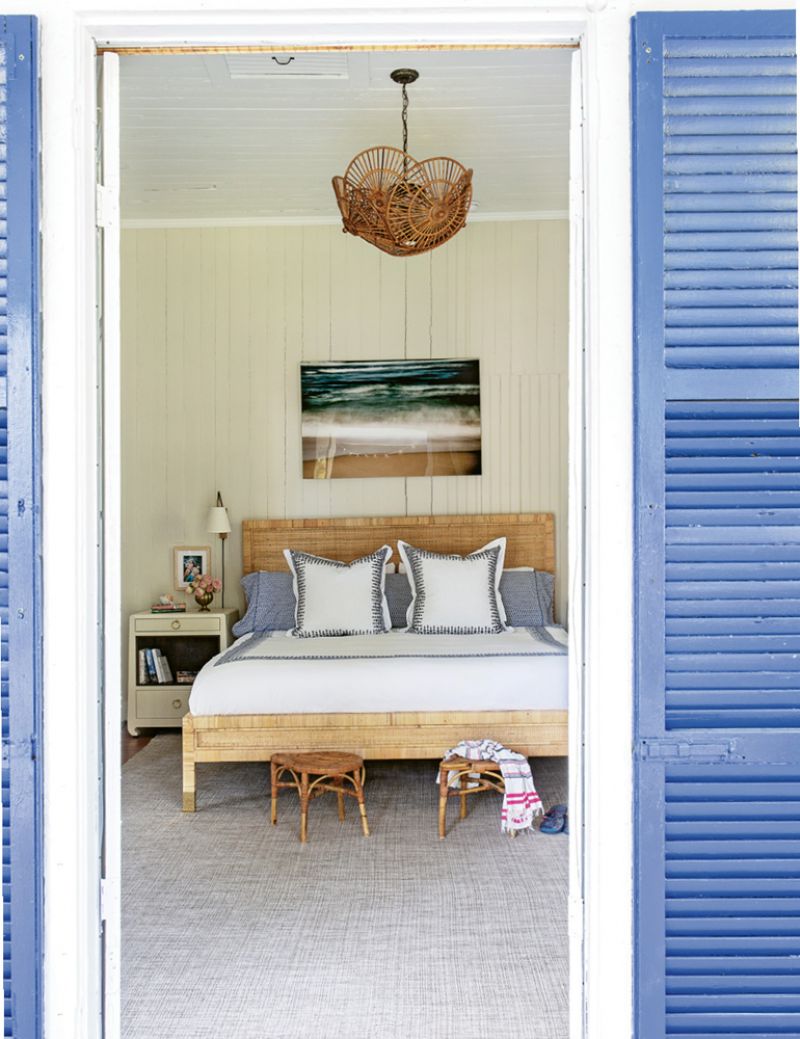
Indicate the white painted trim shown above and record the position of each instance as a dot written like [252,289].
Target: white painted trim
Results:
[111,533]
[322,221]
[578,395]
[608,602]
[72,735]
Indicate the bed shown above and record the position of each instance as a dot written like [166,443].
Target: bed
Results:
[376,704]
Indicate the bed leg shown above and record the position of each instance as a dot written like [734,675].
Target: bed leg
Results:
[189,787]
[189,766]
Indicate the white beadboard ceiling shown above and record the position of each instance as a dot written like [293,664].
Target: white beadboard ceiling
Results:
[258,136]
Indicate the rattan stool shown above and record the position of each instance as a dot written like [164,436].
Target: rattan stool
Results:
[489,777]
[332,769]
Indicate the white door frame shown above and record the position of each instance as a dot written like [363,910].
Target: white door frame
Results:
[109,382]
[601,914]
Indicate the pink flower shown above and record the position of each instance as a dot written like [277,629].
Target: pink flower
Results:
[204,583]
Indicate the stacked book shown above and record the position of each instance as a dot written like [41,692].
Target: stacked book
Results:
[168,607]
[154,668]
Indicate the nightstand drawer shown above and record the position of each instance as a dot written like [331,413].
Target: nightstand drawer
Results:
[164,625]
[162,703]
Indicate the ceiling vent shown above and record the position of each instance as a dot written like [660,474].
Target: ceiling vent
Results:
[303,65]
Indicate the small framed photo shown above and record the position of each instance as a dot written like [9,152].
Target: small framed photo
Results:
[188,564]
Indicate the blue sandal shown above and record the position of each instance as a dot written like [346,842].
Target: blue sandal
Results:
[555,821]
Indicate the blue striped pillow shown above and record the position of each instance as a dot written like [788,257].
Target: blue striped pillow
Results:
[270,602]
[528,598]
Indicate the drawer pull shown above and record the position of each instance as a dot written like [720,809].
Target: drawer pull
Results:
[177,704]
[175,625]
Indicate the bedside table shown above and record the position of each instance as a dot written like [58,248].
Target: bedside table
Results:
[188,640]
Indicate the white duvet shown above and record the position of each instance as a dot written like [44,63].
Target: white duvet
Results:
[392,672]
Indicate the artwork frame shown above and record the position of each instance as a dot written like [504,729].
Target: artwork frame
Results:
[384,418]
[182,556]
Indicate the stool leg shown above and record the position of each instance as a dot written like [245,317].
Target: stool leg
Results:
[361,806]
[340,798]
[463,784]
[303,807]
[273,773]
[442,803]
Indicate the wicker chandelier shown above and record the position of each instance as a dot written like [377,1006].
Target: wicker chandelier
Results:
[402,206]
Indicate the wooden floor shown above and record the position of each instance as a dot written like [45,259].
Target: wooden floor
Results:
[130,745]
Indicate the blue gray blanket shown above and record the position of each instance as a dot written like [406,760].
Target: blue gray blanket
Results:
[518,642]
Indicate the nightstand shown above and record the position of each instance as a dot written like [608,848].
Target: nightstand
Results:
[188,641]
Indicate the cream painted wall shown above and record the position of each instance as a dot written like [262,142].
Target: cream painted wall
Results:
[215,322]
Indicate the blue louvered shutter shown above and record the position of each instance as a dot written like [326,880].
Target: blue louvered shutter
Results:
[19,529]
[717,526]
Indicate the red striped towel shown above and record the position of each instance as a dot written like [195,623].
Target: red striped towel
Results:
[521,803]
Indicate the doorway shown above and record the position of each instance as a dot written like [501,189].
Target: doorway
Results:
[575,705]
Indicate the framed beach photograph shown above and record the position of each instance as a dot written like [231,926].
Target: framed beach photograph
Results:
[188,564]
[391,418]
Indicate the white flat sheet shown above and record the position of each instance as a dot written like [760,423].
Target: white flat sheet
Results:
[388,683]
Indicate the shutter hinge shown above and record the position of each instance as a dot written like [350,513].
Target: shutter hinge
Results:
[24,748]
[681,750]
[108,895]
[106,206]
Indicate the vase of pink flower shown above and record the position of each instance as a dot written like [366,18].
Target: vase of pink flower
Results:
[203,589]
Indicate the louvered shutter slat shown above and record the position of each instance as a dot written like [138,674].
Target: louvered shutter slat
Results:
[730,144]
[729,46]
[767,278]
[702,260]
[719,87]
[718,526]
[700,983]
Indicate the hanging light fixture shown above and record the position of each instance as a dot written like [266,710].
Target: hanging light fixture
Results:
[402,206]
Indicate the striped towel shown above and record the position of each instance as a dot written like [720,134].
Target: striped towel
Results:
[521,803]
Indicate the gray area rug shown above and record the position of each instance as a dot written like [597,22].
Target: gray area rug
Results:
[234,930]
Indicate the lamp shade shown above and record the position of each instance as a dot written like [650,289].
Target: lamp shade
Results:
[218,522]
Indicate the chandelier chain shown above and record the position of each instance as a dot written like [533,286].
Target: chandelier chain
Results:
[405,129]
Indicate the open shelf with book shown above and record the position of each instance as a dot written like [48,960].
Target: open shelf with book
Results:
[165,653]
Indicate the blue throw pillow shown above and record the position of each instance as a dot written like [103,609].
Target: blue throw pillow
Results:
[528,598]
[270,602]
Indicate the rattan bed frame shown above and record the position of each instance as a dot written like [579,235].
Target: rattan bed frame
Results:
[256,737]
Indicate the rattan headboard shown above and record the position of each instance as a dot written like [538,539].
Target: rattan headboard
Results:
[531,537]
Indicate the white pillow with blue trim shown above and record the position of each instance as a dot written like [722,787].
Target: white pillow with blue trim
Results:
[334,598]
[455,595]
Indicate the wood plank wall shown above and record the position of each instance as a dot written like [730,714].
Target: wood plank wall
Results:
[215,322]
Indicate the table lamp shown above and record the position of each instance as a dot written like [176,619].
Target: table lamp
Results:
[219,523]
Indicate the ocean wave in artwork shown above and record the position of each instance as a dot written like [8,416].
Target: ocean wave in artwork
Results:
[377,410]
